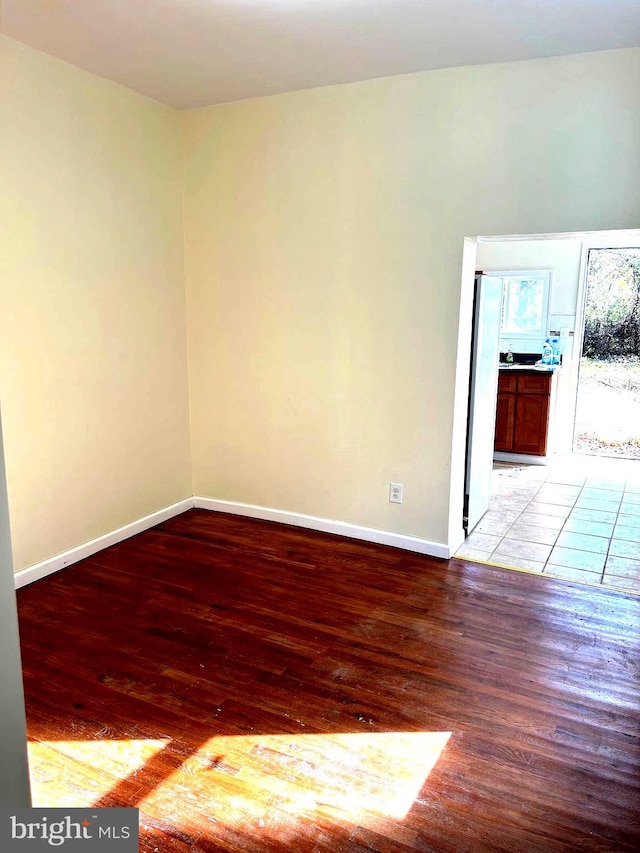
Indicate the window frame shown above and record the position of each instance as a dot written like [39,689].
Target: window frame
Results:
[541,332]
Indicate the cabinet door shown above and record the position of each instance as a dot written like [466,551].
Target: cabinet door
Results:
[507,382]
[531,421]
[532,383]
[505,416]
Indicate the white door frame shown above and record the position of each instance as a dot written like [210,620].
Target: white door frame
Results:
[578,340]
[597,240]
[591,239]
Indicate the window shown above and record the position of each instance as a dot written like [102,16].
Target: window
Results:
[525,304]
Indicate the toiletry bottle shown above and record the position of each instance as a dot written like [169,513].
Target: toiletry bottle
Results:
[509,356]
[547,352]
[555,346]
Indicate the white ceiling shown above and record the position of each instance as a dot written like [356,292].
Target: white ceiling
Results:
[191,53]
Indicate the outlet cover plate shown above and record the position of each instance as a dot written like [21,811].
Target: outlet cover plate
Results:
[396,493]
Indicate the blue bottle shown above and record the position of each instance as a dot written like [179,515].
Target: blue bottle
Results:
[555,346]
[547,352]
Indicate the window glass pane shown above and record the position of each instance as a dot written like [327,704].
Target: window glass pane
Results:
[524,306]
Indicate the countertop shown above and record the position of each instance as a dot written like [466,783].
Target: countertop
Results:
[530,368]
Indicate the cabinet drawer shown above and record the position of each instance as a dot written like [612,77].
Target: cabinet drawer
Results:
[507,382]
[532,383]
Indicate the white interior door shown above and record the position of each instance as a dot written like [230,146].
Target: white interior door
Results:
[483,395]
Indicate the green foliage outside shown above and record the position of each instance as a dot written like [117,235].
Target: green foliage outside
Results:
[612,321]
[608,411]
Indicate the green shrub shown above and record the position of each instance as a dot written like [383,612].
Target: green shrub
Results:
[612,317]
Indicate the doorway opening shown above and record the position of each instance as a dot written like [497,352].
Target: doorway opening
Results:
[607,420]
[575,514]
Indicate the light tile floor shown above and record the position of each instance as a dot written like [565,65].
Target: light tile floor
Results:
[576,518]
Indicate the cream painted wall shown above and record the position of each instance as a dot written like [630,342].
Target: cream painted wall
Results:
[324,233]
[93,358]
[324,236]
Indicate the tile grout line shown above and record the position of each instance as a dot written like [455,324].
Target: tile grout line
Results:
[571,508]
[609,538]
[524,509]
[546,562]
[601,578]
[562,528]
[516,519]
[564,524]
[615,524]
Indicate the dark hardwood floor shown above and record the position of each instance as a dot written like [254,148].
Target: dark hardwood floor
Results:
[256,687]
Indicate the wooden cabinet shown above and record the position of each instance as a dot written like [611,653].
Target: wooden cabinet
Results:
[522,416]
[531,424]
[505,419]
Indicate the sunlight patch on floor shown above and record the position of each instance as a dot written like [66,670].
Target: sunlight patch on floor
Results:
[262,779]
[56,768]
[241,781]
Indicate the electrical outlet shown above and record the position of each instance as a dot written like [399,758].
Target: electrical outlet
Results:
[395,492]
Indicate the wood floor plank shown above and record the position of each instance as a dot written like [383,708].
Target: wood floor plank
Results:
[258,688]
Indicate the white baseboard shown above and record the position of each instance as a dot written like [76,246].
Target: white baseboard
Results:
[519,458]
[325,525]
[54,564]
